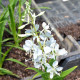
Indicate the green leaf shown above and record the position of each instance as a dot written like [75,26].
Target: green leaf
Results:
[56,77]
[51,61]
[66,72]
[5,71]
[14,60]
[5,54]
[46,76]
[6,29]
[44,7]
[12,45]
[30,1]
[35,69]
[7,39]
[36,75]
[12,25]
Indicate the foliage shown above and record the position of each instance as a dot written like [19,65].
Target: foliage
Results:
[4,18]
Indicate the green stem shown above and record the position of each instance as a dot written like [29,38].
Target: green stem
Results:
[5,54]
[20,22]
[35,31]
[0,53]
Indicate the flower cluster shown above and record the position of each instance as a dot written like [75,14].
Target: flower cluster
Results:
[44,49]
[42,46]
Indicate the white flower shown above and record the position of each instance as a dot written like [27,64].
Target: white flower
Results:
[37,65]
[34,17]
[21,27]
[54,69]
[41,13]
[25,35]
[43,36]
[32,31]
[46,27]
[52,40]
[47,49]
[37,53]
[28,45]
[56,48]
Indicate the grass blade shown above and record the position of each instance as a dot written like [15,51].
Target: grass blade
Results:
[12,26]
[5,71]
[14,60]
[8,39]
[66,72]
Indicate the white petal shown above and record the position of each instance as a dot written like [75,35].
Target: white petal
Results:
[39,52]
[36,65]
[62,52]
[47,27]
[29,43]
[52,40]
[57,73]
[28,31]
[23,20]
[55,63]
[35,55]
[38,40]
[44,25]
[49,69]
[59,68]
[51,56]
[47,49]
[56,47]
[21,27]
[48,34]
[51,75]
[40,13]
[37,26]
[47,65]
[52,45]
[42,37]
[22,35]
[26,48]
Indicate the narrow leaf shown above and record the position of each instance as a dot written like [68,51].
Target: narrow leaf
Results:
[65,73]
[30,1]
[35,69]
[7,39]
[5,71]
[36,75]
[14,60]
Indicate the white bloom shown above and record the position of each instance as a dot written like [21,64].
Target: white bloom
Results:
[54,69]
[47,49]
[59,68]
[41,13]
[46,27]
[34,17]
[43,37]
[28,45]
[32,31]
[37,65]
[55,64]
[25,35]
[21,27]
[37,53]
[56,48]
[52,40]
